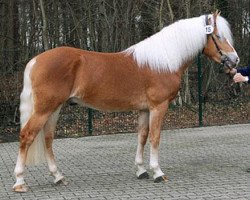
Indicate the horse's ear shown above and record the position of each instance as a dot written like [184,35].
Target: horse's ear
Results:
[217,13]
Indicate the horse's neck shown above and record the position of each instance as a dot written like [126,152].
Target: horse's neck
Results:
[184,67]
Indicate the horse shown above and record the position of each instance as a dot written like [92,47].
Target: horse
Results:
[145,77]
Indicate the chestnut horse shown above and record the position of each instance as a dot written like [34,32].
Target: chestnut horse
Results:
[144,77]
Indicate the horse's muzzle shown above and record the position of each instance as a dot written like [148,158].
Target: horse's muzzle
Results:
[230,60]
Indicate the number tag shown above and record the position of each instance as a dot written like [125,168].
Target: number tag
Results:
[209,29]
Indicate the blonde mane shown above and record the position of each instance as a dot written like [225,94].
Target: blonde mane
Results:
[175,44]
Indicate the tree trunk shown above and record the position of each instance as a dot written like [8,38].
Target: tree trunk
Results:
[178,99]
[170,11]
[160,15]
[44,27]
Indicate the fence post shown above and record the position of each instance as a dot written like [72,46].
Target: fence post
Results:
[90,111]
[200,90]
[90,121]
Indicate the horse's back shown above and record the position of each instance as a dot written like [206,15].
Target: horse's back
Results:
[105,81]
[102,80]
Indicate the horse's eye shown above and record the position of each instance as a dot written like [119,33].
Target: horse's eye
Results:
[219,37]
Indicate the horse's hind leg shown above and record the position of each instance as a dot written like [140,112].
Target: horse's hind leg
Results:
[27,136]
[49,129]
[143,130]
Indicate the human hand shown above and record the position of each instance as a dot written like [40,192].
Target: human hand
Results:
[239,78]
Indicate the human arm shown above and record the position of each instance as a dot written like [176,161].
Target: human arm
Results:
[241,75]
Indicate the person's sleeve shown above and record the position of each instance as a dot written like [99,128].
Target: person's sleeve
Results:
[245,72]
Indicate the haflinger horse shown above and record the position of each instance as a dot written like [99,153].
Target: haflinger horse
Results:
[145,77]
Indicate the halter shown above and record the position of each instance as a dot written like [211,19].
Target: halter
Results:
[224,58]
[216,45]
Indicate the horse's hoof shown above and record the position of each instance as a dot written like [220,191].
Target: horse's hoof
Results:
[20,188]
[143,176]
[61,182]
[161,179]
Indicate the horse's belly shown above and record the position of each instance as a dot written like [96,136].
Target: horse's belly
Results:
[112,105]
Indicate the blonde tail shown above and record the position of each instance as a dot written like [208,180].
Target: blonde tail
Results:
[36,152]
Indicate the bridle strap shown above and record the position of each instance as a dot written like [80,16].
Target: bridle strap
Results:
[213,38]
[206,19]
[223,60]
[216,45]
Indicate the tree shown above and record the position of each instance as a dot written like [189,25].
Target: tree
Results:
[44,27]
[29,27]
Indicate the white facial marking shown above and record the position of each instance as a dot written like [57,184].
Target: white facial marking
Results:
[231,46]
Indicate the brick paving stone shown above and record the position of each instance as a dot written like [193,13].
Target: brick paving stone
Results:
[201,163]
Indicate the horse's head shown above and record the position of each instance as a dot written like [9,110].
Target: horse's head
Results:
[219,41]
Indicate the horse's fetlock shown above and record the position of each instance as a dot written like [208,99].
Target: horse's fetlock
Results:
[18,171]
[154,166]
[138,161]
[53,170]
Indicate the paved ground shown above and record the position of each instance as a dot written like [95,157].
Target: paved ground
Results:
[202,163]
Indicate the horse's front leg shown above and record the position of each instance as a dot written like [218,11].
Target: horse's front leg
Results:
[155,121]
[143,129]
